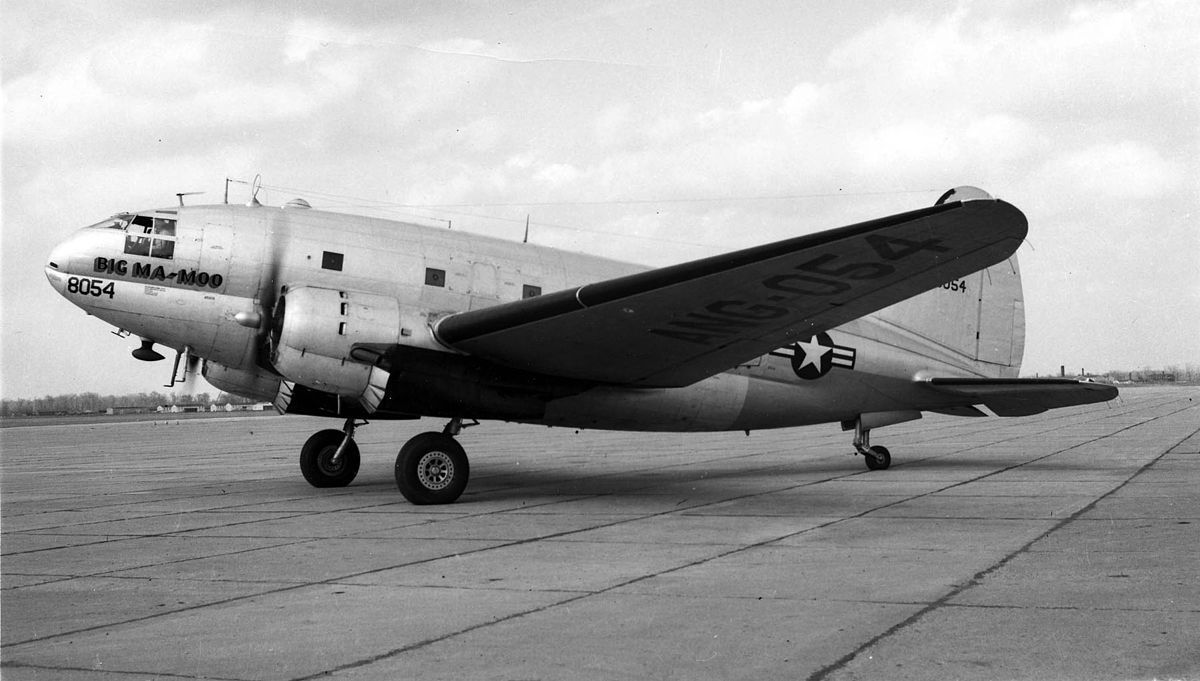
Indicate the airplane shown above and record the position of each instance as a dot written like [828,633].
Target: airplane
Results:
[360,318]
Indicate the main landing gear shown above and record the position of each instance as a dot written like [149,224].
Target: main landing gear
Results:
[878,458]
[431,468]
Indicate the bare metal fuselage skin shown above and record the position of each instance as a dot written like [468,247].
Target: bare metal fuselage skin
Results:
[213,290]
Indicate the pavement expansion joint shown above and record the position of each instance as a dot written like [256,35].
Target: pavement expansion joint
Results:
[776,556]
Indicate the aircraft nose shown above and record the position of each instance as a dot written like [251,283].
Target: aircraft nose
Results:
[73,255]
[60,257]
[59,263]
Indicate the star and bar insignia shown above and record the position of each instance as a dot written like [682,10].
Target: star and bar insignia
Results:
[815,357]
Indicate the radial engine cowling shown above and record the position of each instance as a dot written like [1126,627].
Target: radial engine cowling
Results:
[315,328]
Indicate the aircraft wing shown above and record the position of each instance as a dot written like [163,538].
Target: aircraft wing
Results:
[1024,396]
[676,325]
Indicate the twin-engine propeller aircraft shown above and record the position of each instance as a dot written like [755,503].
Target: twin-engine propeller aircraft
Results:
[355,318]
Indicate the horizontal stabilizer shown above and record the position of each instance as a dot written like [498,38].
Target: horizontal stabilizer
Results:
[1024,396]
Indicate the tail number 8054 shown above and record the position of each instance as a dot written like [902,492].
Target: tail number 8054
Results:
[90,287]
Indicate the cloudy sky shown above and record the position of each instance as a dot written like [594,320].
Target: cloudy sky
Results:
[648,131]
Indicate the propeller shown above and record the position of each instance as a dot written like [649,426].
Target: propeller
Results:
[273,289]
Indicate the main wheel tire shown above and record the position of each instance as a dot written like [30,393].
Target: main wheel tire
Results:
[878,458]
[318,466]
[432,468]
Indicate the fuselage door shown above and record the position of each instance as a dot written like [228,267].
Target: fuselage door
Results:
[217,248]
[484,285]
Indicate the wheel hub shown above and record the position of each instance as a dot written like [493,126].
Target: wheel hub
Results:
[329,465]
[435,470]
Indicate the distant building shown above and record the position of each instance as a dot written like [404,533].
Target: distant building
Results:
[1155,377]
[194,408]
[113,411]
[257,406]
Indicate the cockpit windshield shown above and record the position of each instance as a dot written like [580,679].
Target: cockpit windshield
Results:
[146,235]
[118,221]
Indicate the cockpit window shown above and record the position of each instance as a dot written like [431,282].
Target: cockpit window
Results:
[138,241]
[164,226]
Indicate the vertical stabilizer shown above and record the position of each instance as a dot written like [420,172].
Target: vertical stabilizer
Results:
[976,323]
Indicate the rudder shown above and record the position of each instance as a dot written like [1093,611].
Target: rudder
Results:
[976,322]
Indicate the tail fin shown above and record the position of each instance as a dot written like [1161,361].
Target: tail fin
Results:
[976,323]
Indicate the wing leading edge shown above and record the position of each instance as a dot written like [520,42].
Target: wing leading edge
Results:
[676,325]
[1024,396]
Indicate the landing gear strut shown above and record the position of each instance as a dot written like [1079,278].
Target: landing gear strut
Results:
[432,468]
[330,457]
[878,458]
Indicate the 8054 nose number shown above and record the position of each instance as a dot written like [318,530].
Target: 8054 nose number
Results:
[90,287]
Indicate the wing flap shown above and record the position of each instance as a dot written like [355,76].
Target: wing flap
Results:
[676,325]
[1024,396]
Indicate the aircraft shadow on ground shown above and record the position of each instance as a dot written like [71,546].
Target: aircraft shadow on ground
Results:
[500,481]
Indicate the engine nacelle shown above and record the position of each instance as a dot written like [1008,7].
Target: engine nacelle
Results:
[314,330]
[256,383]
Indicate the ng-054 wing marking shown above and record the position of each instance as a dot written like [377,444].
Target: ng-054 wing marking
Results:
[676,325]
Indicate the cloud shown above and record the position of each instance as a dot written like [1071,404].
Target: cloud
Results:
[1121,170]
[1084,116]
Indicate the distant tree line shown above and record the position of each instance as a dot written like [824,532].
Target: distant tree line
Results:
[1175,373]
[92,403]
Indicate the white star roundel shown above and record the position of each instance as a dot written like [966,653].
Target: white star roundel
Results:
[815,357]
